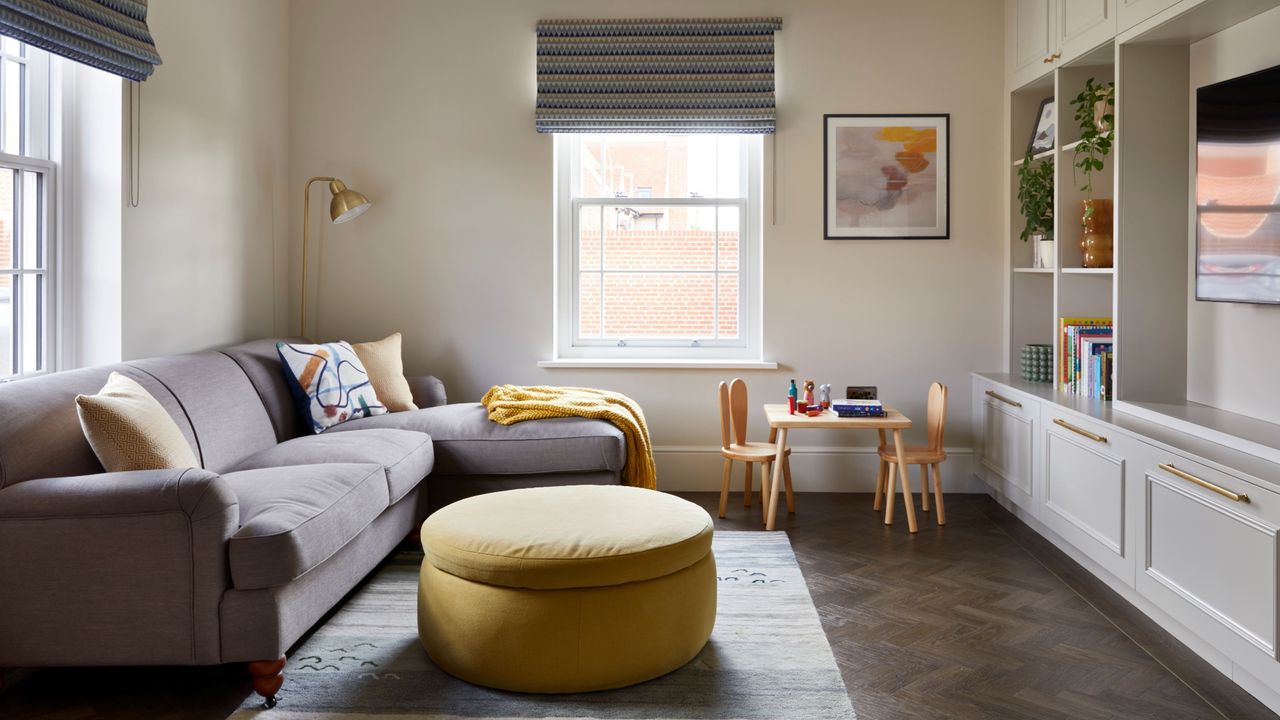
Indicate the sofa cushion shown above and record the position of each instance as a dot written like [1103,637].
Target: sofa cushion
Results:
[220,402]
[329,382]
[406,456]
[294,518]
[260,362]
[468,443]
[129,429]
[383,361]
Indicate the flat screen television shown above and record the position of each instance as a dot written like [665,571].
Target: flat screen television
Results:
[1238,189]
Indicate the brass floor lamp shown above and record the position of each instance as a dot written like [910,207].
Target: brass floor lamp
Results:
[347,204]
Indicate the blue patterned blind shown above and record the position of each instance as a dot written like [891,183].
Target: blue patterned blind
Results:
[108,34]
[656,76]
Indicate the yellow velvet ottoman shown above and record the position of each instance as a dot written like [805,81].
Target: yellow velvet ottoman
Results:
[566,589]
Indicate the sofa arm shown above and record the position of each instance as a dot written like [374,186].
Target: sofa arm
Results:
[428,391]
[122,568]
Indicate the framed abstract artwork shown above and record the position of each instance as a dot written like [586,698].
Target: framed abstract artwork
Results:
[1043,133]
[887,176]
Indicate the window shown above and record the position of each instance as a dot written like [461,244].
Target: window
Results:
[26,193]
[658,247]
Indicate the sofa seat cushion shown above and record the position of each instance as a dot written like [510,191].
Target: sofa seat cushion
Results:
[406,456]
[294,518]
[467,442]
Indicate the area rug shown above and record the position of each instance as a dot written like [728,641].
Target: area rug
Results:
[767,659]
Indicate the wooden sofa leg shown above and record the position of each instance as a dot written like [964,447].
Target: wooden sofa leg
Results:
[268,676]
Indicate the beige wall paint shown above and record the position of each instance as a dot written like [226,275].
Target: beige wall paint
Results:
[1232,348]
[427,107]
[204,254]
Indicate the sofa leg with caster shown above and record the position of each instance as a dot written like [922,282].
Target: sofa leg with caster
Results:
[268,676]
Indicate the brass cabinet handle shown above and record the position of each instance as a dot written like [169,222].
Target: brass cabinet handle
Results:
[1079,430]
[1237,497]
[1052,57]
[1004,399]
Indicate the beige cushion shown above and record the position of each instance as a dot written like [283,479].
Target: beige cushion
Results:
[128,429]
[573,536]
[382,361]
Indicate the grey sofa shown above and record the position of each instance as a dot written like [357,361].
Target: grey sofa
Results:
[235,560]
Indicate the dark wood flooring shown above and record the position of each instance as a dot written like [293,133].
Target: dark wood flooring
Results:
[981,619]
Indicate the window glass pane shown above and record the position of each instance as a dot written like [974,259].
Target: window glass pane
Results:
[649,237]
[727,313]
[6,325]
[659,166]
[730,222]
[12,106]
[589,238]
[589,305]
[32,321]
[8,257]
[31,227]
[659,305]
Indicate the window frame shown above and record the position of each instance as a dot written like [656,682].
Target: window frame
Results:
[569,347]
[38,94]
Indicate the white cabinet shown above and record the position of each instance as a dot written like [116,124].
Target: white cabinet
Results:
[1085,495]
[1007,422]
[1083,25]
[1208,552]
[1031,39]
[1132,12]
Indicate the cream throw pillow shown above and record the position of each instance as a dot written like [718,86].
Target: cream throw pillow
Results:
[128,429]
[381,359]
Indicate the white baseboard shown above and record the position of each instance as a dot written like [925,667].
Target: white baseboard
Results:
[692,468]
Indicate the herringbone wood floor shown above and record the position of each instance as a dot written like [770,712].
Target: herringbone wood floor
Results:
[981,619]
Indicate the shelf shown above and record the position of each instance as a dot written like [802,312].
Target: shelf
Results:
[1088,271]
[1034,271]
[1038,156]
[1070,146]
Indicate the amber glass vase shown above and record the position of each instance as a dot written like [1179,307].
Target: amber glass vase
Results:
[1096,244]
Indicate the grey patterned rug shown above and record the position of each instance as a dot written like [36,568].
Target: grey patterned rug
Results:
[767,659]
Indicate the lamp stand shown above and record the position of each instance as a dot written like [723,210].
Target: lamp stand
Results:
[306,221]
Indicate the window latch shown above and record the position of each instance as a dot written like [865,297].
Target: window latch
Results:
[695,343]
[622,343]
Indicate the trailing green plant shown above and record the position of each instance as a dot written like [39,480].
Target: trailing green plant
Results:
[1096,127]
[1035,195]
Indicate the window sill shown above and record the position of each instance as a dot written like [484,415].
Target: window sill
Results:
[656,363]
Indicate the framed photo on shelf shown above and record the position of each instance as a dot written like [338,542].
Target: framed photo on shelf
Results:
[1043,133]
[886,177]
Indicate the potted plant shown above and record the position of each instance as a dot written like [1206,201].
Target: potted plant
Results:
[1035,199]
[1095,113]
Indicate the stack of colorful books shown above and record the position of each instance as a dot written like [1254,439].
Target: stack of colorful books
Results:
[1086,354]
[857,408]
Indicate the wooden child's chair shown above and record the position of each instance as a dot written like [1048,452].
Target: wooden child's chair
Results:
[734,446]
[928,458]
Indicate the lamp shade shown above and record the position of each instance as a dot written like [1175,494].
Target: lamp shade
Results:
[347,204]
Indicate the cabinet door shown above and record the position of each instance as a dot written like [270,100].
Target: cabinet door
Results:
[1210,559]
[1132,12]
[1031,39]
[1085,497]
[1008,442]
[1084,25]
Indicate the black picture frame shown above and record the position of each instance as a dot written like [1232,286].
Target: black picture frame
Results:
[940,231]
[1035,130]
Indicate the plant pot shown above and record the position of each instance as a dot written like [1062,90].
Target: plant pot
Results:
[1096,243]
[1044,257]
[1100,112]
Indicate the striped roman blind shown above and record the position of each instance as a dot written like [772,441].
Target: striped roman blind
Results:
[108,34]
[656,76]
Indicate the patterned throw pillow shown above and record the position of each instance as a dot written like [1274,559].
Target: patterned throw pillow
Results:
[329,383]
[129,429]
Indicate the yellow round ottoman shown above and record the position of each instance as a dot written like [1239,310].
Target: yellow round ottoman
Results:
[566,589]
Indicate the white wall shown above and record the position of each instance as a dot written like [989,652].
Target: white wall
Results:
[427,107]
[1232,348]
[204,253]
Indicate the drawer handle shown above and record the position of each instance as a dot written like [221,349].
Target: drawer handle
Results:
[1004,399]
[1079,430]
[1238,497]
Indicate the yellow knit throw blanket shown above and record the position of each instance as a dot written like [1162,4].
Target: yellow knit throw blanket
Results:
[509,404]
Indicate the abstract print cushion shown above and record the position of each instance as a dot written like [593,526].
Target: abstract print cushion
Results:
[329,383]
